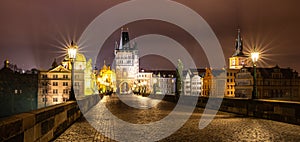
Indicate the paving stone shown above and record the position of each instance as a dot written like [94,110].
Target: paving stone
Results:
[225,127]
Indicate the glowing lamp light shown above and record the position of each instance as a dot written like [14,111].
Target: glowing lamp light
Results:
[72,50]
[255,56]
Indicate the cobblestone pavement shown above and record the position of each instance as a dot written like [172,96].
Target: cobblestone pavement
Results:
[225,127]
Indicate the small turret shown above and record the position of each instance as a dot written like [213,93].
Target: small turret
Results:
[54,64]
[6,64]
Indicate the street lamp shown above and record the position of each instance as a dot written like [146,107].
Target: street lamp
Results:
[254,57]
[72,51]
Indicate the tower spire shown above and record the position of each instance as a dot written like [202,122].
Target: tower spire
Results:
[121,40]
[238,45]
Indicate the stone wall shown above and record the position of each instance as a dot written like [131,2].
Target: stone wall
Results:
[46,123]
[284,111]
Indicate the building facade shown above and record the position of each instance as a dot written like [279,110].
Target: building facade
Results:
[143,83]
[106,80]
[53,86]
[207,82]
[238,59]
[126,63]
[192,83]
[236,62]
[230,82]
[164,84]
[272,83]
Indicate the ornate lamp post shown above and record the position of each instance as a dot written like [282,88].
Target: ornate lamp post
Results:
[72,51]
[254,57]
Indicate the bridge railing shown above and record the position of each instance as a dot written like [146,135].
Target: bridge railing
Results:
[284,111]
[46,123]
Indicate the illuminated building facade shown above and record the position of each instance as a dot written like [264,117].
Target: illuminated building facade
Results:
[192,83]
[238,59]
[207,82]
[106,80]
[54,84]
[143,83]
[164,82]
[214,82]
[236,62]
[84,77]
[126,63]
[230,82]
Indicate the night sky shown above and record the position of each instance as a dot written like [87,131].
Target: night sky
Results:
[32,31]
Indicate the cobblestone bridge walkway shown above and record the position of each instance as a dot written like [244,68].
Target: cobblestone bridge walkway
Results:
[225,126]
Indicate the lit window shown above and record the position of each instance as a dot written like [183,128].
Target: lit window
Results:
[55,83]
[65,76]
[55,76]
[44,83]
[55,100]
[65,83]
[44,99]
[65,91]
[65,99]
[44,76]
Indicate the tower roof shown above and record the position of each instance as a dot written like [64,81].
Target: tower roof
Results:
[238,45]
[125,43]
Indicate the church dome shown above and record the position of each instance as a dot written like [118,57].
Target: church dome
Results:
[79,58]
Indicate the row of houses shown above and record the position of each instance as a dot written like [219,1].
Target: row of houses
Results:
[52,86]
[272,83]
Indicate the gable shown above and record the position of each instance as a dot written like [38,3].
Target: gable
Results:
[59,68]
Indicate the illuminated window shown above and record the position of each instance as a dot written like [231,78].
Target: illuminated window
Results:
[55,83]
[55,76]
[44,99]
[65,83]
[65,99]
[44,76]
[44,83]
[65,76]
[55,100]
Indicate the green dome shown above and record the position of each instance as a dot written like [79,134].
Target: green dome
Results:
[79,58]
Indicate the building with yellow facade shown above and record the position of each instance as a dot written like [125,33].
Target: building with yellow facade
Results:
[106,80]
[54,85]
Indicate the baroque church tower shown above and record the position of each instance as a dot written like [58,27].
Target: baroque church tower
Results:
[126,63]
[238,59]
